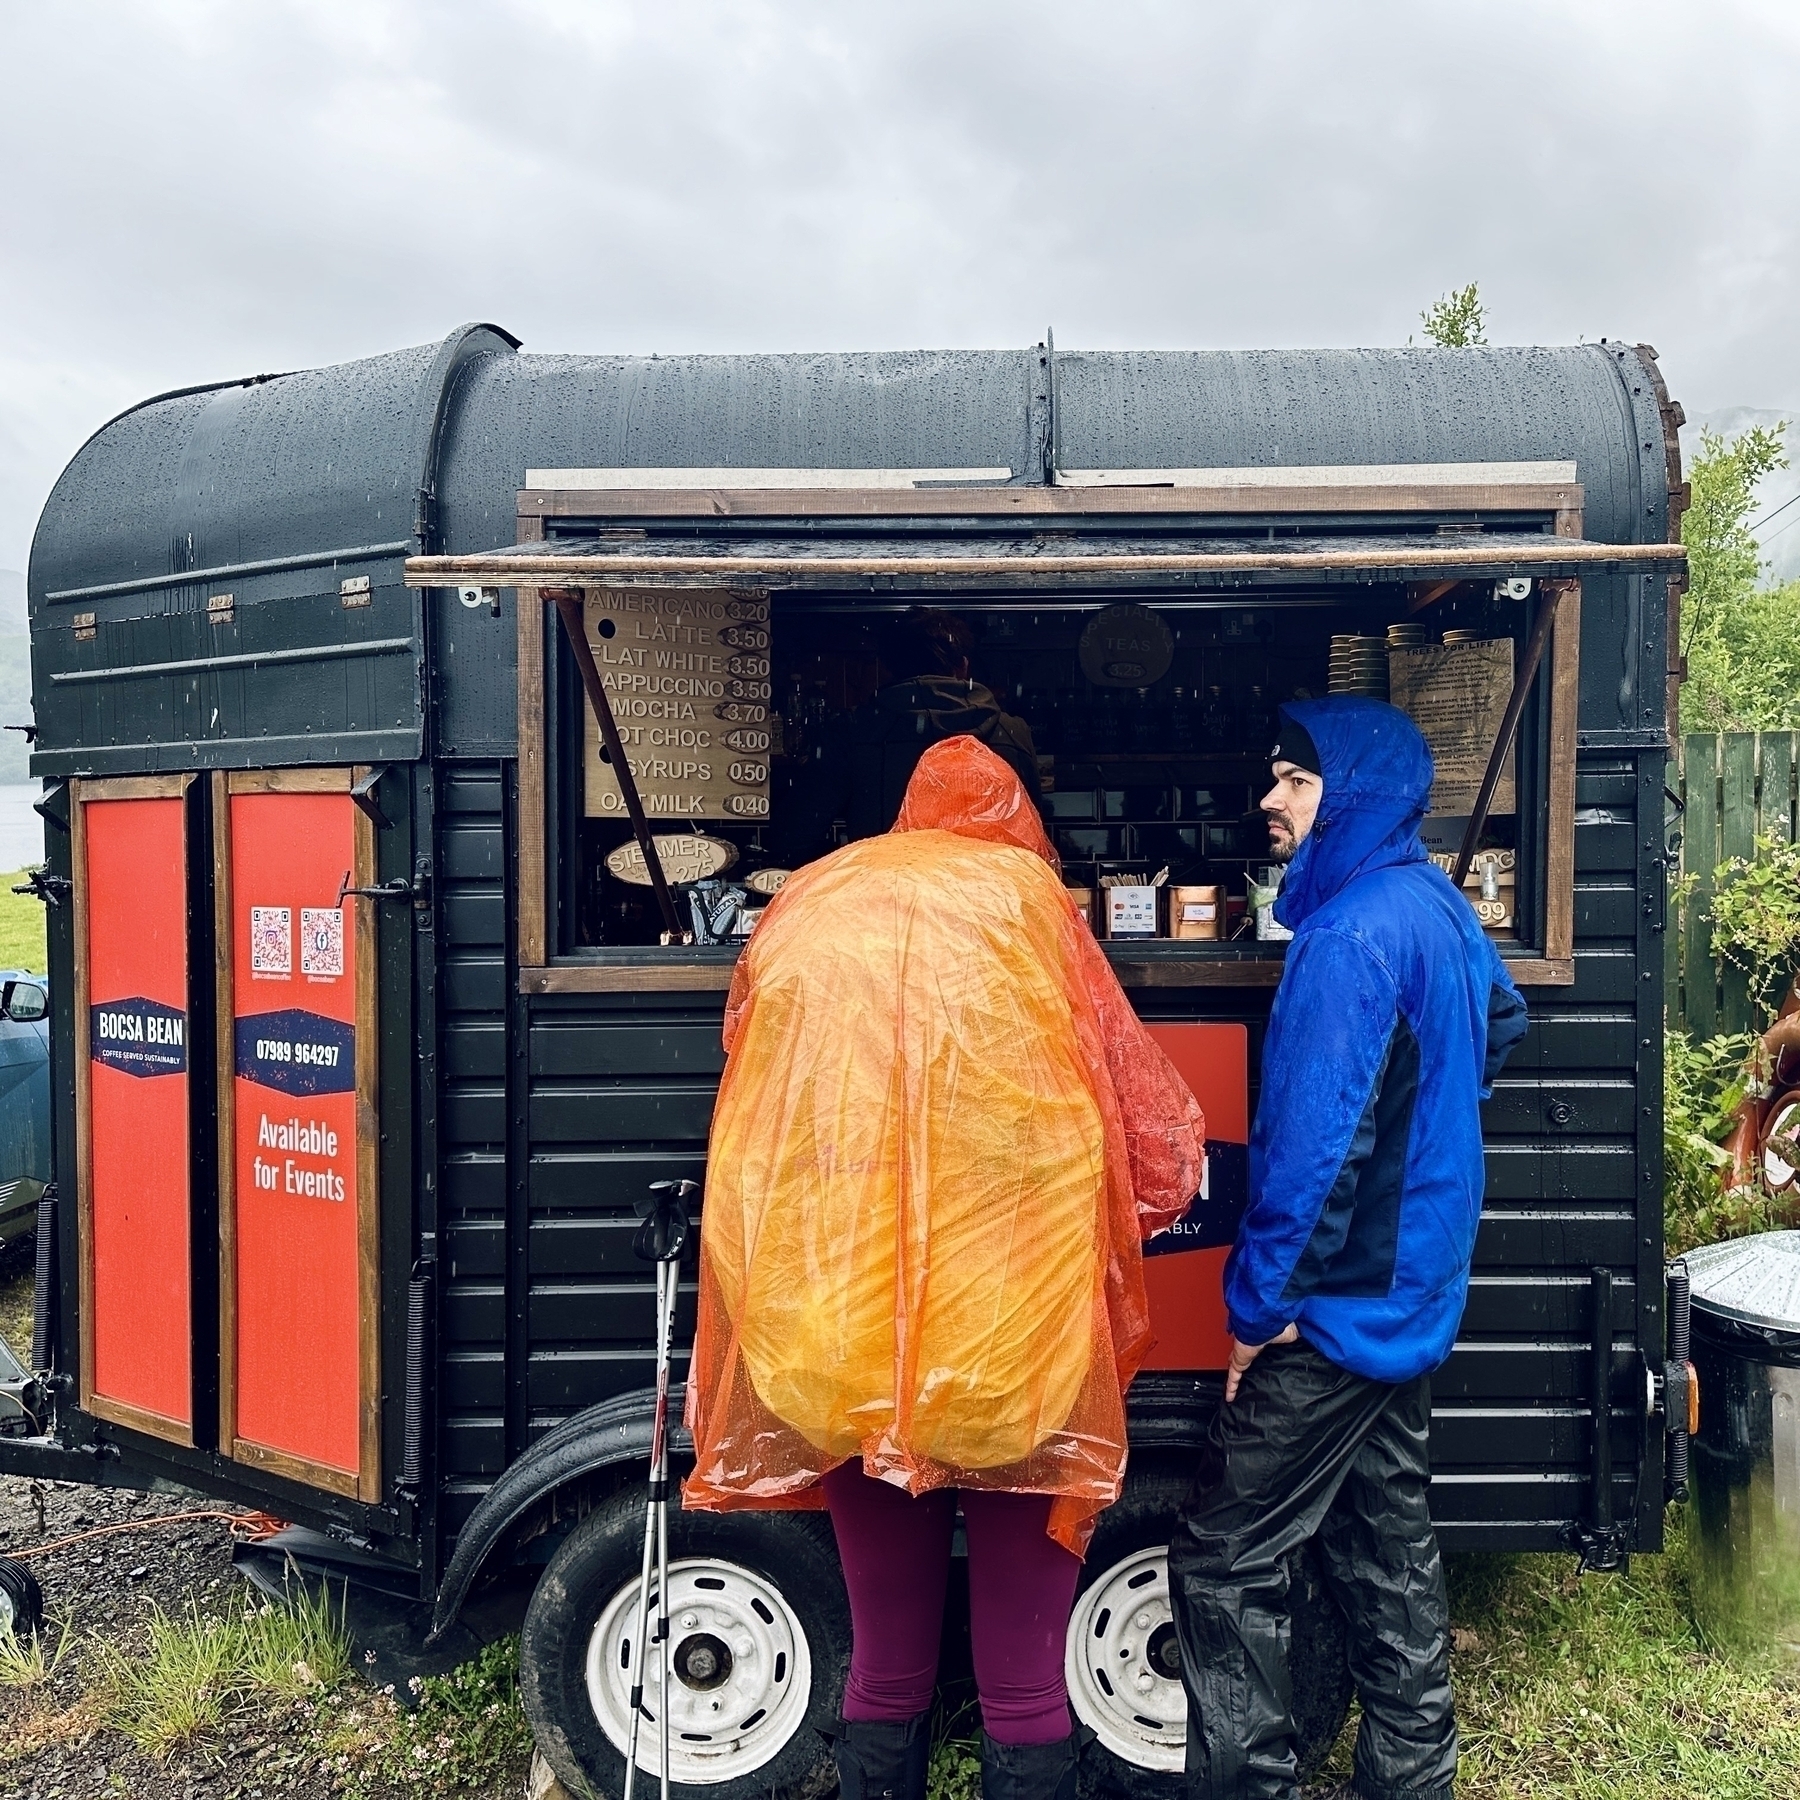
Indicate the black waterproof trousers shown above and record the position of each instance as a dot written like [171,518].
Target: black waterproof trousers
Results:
[1310,1451]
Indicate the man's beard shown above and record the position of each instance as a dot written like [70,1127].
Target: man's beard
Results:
[1282,847]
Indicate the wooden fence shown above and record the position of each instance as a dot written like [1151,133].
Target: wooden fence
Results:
[1735,788]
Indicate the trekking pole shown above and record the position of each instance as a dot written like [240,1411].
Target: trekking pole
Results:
[660,1239]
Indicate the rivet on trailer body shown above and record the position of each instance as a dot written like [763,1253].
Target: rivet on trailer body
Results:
[355,591]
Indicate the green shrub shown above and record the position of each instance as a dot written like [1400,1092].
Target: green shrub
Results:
[467,1734]
[1703,1084]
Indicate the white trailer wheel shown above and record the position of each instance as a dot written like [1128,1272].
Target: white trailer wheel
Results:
[740,1676]
[1121,1665]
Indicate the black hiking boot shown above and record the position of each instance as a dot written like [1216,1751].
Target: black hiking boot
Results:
[883,1759]
[1027,1771]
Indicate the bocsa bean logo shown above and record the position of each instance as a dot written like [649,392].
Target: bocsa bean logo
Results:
[138,1037]
[297,1052]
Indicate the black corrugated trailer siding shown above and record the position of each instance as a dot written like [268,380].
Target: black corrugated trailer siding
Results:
[520,1129]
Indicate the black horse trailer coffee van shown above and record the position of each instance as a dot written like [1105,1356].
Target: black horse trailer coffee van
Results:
[370,1030]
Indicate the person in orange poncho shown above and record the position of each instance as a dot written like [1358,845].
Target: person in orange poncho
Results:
[940,1140]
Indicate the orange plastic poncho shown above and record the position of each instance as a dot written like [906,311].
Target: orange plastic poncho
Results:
[941,1138]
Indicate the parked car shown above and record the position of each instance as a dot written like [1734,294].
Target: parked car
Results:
[25,1150]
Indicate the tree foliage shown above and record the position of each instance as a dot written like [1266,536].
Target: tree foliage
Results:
[1755,915]
[1740,637]
[1458,321]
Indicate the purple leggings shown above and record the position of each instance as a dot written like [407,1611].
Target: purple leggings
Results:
[896,1556]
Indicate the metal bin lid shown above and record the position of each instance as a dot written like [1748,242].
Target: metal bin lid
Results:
[1750,1281]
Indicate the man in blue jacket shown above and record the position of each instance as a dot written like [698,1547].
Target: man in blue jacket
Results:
[1347,1281]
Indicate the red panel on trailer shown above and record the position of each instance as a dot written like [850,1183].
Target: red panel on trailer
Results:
[138,1305]
[298,1284]
[1183,1267]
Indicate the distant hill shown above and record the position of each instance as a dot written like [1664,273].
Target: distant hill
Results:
[15,676]
[1781,543]
[15,706]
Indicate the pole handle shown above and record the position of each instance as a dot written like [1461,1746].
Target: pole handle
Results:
[664,1233]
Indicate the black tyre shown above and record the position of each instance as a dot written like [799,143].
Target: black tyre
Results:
[21,1600]
[760,1645]
[1124,1667]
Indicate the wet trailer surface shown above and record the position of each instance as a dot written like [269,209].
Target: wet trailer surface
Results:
[438,1381]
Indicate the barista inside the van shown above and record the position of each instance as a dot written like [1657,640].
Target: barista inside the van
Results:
[1347,1281]
[859,771]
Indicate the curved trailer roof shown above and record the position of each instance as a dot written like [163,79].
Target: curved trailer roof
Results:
[220,528]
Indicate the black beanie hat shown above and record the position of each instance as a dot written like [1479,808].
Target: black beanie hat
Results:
[1296,745]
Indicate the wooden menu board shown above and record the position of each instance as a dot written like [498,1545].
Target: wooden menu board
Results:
[1456,694]
[687,674]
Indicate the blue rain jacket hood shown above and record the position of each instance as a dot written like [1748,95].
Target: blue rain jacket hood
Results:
[1393,1017]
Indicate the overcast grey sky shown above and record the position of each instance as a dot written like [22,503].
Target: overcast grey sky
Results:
[196,189]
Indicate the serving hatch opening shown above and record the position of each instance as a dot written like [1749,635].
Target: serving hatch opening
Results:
[1126,647]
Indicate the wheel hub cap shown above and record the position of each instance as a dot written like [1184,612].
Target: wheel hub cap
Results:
[1123,1664]
[740,1673]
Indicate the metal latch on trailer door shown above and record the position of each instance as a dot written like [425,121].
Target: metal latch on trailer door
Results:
[417,890]
[40,884]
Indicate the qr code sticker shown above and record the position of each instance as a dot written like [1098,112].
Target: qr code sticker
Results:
[322,940]
[271,940]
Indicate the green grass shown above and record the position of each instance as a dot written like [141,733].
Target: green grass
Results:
[1602,1687]
[197,1670]
[21,928]
[30,1660]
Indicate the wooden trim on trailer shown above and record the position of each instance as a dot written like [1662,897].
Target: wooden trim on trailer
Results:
[81,791]
[618,569]
[295,1468]
[139,1418]
[225,1083]
[670,974]
[1559,854]
[533,873]
[84,1127]
[133,787]
[1540,971]
[1040,502]
[291,781]
[364,1482]
[367,1484]
[635,977]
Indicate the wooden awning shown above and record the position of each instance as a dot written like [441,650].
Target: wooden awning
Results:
[1036,561]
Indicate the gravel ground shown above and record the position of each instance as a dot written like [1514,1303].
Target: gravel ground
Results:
[54,1744]
[51,1744]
